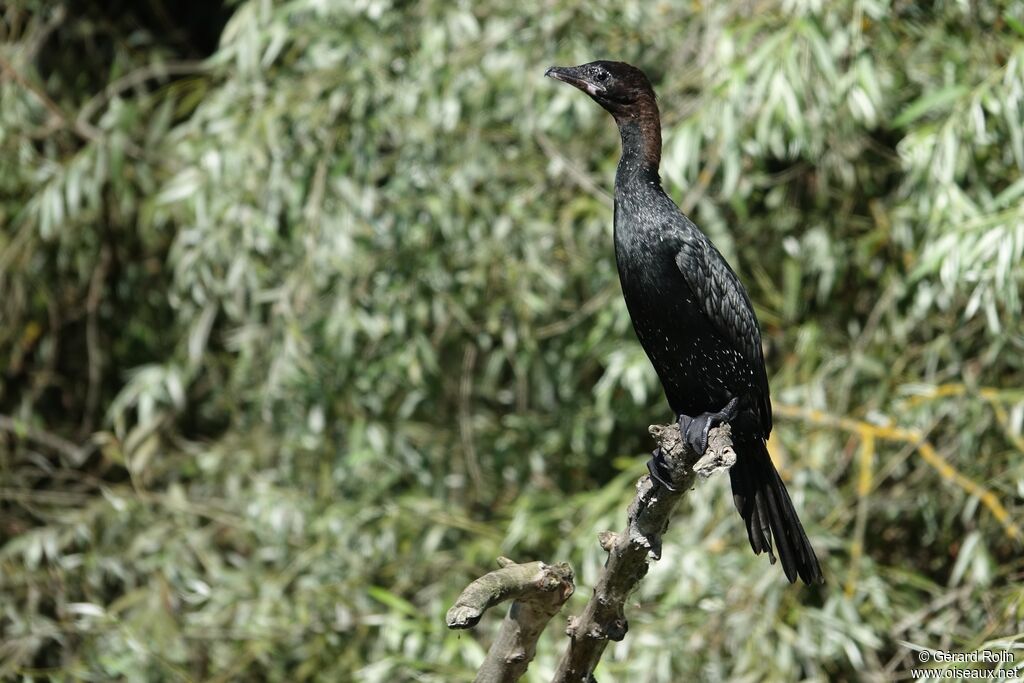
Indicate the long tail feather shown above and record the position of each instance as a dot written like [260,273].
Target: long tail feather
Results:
[767,511]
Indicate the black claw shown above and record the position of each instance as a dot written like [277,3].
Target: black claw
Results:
[658,469]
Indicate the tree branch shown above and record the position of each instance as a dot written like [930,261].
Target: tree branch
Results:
[92,340]
[604,618]
[136,78]
[75,454]
[538,592]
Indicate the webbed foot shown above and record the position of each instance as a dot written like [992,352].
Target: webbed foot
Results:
[695,429]
[658,469]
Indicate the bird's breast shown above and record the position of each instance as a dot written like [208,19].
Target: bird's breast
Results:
[698,369]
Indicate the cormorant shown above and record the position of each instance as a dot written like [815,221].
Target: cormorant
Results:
[693,317]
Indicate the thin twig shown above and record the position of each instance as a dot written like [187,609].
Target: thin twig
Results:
[92,340]
[577,174]
[704,178]
[466,418]
[863,339]
[589,307]
[924,448]
[75,453]
[34,88]
[173,502]
[83,129]
[134,78]
[32,46]
[865,483]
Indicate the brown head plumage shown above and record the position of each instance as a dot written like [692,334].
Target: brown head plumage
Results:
[624,91]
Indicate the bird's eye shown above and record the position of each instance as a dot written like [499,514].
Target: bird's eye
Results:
[602,75]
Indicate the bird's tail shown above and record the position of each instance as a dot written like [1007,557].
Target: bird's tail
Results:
[767,511]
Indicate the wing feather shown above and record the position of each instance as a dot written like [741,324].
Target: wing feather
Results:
[727,306]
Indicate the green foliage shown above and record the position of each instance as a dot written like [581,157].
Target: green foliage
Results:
[328,320]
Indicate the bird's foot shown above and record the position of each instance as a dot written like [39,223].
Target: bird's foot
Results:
[659,471]
[695,429]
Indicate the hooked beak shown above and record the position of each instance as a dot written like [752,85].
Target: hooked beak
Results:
[571,75]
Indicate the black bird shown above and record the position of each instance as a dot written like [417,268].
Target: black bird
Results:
[693,317]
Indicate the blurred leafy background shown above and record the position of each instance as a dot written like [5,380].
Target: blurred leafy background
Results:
[309,311]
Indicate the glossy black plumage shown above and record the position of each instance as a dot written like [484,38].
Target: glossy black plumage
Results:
[692,314]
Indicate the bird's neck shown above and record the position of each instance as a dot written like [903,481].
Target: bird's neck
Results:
[641,146]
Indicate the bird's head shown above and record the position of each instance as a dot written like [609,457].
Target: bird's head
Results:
[620,88]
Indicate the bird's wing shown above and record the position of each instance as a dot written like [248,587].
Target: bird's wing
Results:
[720,294]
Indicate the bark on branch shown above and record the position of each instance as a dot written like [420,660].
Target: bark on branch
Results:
[538,591]
[629,551]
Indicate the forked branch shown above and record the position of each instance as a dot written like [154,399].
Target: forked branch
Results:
[630,551]
[539,590]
